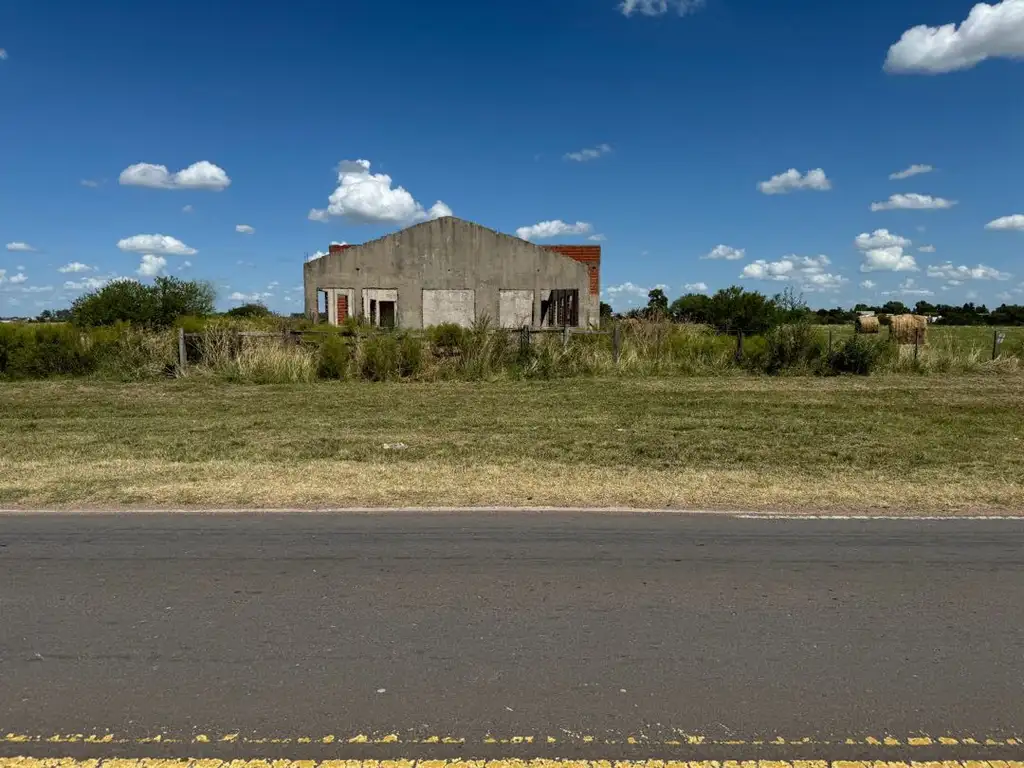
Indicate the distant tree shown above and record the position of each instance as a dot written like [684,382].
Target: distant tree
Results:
[895,308]
[691,308]
[791,307]
[249,310]
[657,303]
[606,310]
[924,308]
[735,309]
[156,306]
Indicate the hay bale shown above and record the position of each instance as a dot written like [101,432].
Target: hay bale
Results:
[884,319]
[867,324]
[908,329]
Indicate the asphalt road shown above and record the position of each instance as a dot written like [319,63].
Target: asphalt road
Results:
[520,634]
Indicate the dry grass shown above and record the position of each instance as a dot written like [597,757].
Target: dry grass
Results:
[936,444]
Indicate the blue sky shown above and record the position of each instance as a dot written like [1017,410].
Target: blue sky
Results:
[688,109]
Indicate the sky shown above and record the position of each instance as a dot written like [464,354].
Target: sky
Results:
[856,152]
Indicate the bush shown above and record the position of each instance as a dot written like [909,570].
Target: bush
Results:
[249,310]
[334,358]
[795,346]
[380,357]
[410,356]
[445,337]
[858,355]
[152,306]
[41,351]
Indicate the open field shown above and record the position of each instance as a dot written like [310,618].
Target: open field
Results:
[927,444]
[978,337]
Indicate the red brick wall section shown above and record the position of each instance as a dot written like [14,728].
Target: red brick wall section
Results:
[337,247]
[586,254]
[342,308]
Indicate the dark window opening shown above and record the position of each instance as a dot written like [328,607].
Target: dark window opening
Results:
[386,311]
[560,308]
[373,312]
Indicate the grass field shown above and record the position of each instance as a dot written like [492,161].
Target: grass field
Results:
[929,444]
[979,337]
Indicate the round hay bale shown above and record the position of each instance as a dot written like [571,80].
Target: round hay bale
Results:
[908,329]
[883,318]
[867,324]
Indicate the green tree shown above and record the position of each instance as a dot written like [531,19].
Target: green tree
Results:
[734,309]
[657,303]
[791,306]
[606,311]
[249,310]
[155,306]
[691,308]
[895,308]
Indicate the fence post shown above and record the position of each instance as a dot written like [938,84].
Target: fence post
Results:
[565,336]
[524,341]
[995,344]
[917,342]
[830,341]
[616,343]
[739,346]
[182,353]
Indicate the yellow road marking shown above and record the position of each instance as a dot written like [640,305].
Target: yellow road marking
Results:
[34,762]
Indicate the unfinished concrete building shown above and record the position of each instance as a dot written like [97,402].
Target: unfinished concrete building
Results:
[454,271]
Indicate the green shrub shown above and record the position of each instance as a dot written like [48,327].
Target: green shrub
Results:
[447,336]
[153,306]
[410,356]
[380,357]
[794,346]
[249,310]
[41,351]
[334,358]
[857,354]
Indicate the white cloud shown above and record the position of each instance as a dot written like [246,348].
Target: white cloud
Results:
[316,255]
[660,7]
[164,245]
[765,270]
[87,284]
[201,175]
[980,272]
[1004,296]
[913,170]
[244,229]
[880,238]
[187,209]
[554,228]
[913,202]
[590,153]
[695,287]
[793,180]
[367,197]
[725,252]
[75,266]
[238,296]
[909,288]
[891,259]
[1016,221]
[3,54]
[151,265]
[21,277]
[185,265]
[868,284]
[822,281]
[926,249]
[990,31]
[597,238]
[16,246]
[626,289]
[35,288]
[89,183]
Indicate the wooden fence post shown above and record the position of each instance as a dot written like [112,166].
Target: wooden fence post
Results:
[524,341]
[917,343]
[739,346]
[616,343]
[182,352]
[995,344]
[565,336]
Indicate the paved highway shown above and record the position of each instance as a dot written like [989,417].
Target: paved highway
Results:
[510,634]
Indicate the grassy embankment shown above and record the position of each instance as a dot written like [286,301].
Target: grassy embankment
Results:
[938,444]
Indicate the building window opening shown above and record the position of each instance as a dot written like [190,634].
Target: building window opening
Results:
[560,308]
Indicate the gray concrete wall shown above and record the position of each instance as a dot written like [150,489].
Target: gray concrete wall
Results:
[450,254]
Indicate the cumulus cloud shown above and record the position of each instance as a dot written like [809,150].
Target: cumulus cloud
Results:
[244,229]
[980,272]
[556,228]
[868,284]
[20,277]
[807,271]
[3,54]
[913,170]
[187,209]
[990,31]
[201,175]
[88,283]
[926,249]
[366,197]
[909,288]
[660,7]
[1016,221]
[590,153]
[75,266]
[695,287]
[891,259]
[793,180]
[33,288]
[725,252]
[164,245]
[16,246]
[151,265]
[597,238]
[913,202]
[768,270]
[627,290]
[880,238]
